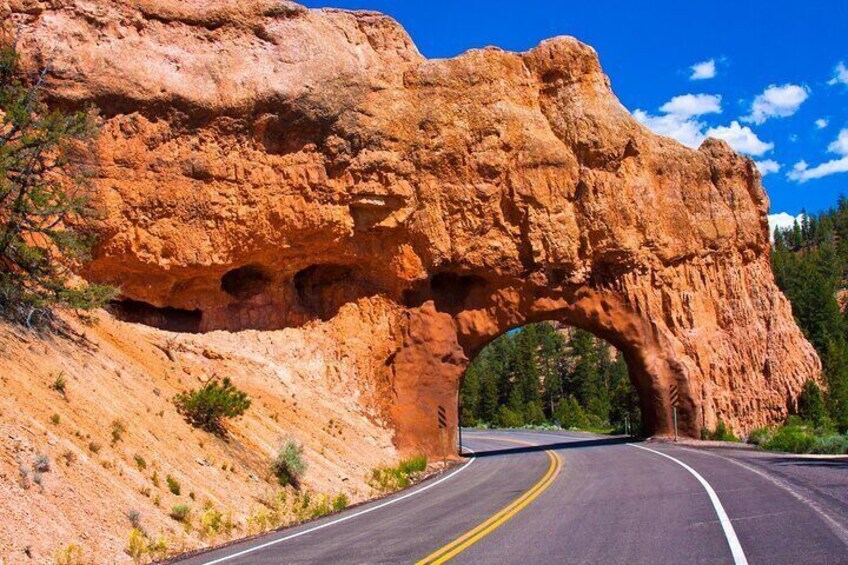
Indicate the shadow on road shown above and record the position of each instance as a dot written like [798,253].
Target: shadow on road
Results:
[810,462]
[555,446]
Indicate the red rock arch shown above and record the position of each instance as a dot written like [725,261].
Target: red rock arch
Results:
[455,198]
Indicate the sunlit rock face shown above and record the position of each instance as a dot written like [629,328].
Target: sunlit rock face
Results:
[262,166]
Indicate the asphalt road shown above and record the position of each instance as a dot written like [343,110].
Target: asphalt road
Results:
[565,497]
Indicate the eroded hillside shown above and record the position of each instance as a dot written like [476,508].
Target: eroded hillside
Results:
[114,436]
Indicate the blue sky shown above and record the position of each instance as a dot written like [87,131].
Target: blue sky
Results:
[775,67]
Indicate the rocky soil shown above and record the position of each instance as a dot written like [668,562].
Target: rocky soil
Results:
[303,384]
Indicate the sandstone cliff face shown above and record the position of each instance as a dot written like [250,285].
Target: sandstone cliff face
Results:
[261,165]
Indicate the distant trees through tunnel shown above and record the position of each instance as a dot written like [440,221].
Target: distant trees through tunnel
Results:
[547,373]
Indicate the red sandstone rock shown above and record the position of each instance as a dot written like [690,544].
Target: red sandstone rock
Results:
[261,165]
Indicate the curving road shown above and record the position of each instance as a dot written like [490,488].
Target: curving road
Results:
[566,497]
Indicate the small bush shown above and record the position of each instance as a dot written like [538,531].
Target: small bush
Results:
[791,438]
[321,508]
[118,430]
[209,406]
[55,419]
[71,554]
[140,462]
[721,433]
[134,516]
[340,502]
[137,545]
[180,512]
[173,485]
[414,465]
[213,522]
[41,464]
[289,465]
[387,479]
[69,457]
[59,384]
[94,447]
[759,436]
[835,444]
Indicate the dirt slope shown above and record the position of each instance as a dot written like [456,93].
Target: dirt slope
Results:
[128,373]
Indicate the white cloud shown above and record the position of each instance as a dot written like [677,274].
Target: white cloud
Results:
[777,102]
[802,172]
[690,105]
[767,166]
[840,145]
[687,131]
[821,123]
[741,138]
[678,121]
[703,70]
[840,75]
[782,220]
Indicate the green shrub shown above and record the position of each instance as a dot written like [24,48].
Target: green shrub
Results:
[508,418]
[321,508]
[791,438]
[759,436]
[811,404]
[340,502]
[137,545]
[213,522]
[413,465]
[180,512]
[534,414]
[721,433]
[173,485]
[71,554]
[207,407]
[118,430]
[289,465]
[140,462]
[836,444]
[59,384]
[569,414]
[387,479]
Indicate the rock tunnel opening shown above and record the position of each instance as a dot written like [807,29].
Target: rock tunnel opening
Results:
[323,289]
[167,318]
[549,373]
[451,291]
[245,282]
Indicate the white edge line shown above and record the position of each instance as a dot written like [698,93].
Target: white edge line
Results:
[729,533]
[344,518]
[834,525]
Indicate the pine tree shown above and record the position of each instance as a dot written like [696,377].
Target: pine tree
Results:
[534,375]
[42,200]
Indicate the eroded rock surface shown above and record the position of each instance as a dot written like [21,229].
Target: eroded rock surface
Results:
[261,165]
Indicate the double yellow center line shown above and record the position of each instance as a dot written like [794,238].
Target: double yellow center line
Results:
[471,537]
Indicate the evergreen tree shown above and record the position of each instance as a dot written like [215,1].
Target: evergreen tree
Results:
[535,375]
[42,200]
[810,263]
